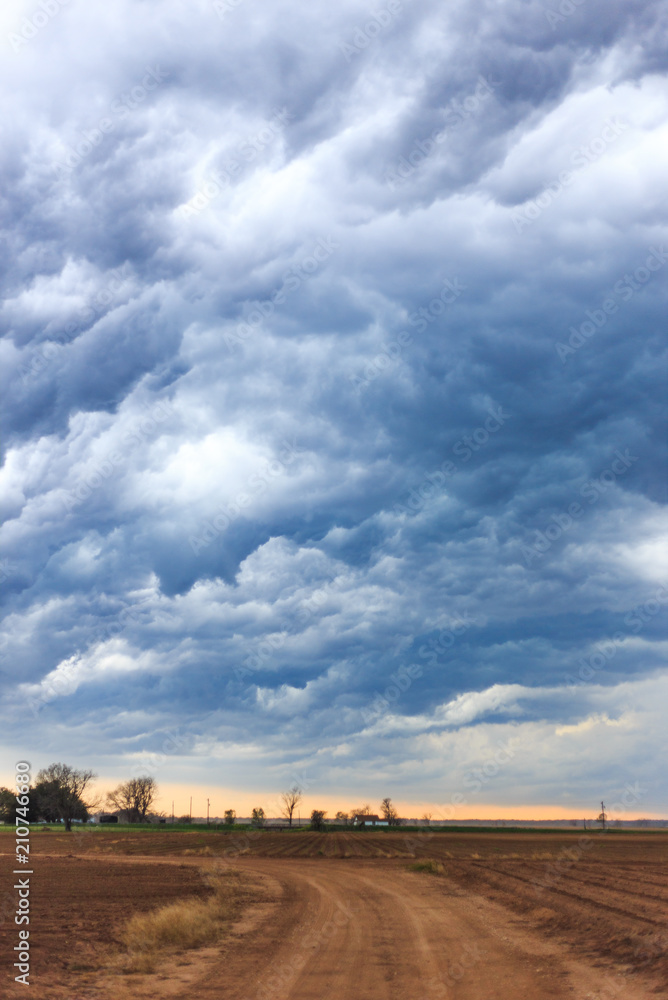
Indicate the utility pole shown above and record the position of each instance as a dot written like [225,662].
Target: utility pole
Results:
[207,812]
[191,809]
[172,810]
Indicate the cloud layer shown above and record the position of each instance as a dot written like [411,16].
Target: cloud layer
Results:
[334,393]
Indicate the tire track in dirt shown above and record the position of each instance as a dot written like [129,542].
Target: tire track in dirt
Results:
[378,932]
[588,900]
[613,934]
[370,929]
[590,886]
[595,880]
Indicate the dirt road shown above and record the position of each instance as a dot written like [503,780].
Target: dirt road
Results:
[344,916]
[355,930]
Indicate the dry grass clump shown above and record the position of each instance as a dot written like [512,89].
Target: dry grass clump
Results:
[138,962]
[433,867]
[188,923]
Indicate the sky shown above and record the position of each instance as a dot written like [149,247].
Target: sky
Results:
[333,401]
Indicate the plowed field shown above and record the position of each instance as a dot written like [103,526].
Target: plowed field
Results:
[76,905]
[499,915]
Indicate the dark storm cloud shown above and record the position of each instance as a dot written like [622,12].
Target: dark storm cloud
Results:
[332,349]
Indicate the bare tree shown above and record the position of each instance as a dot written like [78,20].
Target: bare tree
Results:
[291,800]
[63,788]
[230,816]
[146,789]
[134,797]
[389,812]
[342,817]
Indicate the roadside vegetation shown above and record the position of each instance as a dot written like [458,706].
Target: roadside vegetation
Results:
[428,865]
[181,926]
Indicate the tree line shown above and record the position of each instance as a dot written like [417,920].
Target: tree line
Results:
[62,794]
[291,799]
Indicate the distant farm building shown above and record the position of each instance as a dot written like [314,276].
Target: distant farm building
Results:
[366,819]
[104,818]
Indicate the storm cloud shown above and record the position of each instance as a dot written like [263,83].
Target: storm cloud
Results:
[333,369]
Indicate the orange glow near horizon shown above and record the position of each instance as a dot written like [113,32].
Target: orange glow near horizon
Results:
[245,802]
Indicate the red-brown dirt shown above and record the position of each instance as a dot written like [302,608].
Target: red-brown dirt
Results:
[342,914]
[77,903]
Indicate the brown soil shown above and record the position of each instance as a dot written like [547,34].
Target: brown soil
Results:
[548,845]
[341,914]
[76,904]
